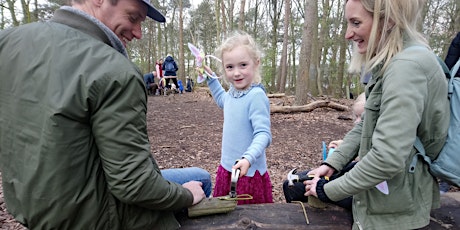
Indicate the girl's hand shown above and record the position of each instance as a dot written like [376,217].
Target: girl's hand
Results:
[243,165]
[334,144]
[208,70]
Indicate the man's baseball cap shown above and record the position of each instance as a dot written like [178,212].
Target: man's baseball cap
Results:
[154,13]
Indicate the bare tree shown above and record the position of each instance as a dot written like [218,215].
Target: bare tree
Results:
[453,15]
[11,8]
[241,15]
[314,76]
[224,17]
[149,55]
[301,93]
[181,74]
[343,46]
[283,64]
[256,16]
[275,12]
[230,15]
[283,61]
[217,8]
[26,12]
[158,30]
[2,15]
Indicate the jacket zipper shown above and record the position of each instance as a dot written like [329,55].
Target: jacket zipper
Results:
[355,215]
[359,225]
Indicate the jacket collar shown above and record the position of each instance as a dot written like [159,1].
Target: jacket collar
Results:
[81,21]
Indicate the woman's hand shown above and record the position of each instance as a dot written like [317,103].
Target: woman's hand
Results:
[310,187]
[321,171]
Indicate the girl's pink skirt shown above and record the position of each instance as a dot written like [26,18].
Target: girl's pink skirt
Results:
[258,186]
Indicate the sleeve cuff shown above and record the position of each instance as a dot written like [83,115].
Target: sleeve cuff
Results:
[320,191]
[325,163]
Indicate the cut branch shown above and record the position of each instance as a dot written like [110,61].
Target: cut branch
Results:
[308,108]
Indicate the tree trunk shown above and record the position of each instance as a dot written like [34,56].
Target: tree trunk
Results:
[275,15]
[302,85]
[12,12]
[341,72]
[283,62]
[241,16]
[314,73]
[219,20]
[181,74]
[224,17]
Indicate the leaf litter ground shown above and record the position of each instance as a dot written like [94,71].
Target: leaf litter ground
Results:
[185,130]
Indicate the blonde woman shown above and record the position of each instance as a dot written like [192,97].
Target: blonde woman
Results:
[405,99]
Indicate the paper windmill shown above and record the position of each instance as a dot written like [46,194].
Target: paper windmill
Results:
[199,57]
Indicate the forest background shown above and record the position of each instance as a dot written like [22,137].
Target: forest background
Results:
[306,53]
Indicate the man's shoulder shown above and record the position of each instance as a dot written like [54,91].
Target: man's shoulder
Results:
[30,28]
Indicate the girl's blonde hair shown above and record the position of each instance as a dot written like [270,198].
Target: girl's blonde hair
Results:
[394,21]
[238,39]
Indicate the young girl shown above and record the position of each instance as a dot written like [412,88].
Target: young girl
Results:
[246,131]
[159,68]
[161,80]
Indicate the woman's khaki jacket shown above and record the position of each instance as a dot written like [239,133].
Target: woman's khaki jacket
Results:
[409,99]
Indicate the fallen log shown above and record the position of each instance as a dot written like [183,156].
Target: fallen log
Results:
[288,216]
[276,95]
[309,107]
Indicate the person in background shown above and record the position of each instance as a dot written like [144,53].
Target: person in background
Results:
[159,68]
[405,99]
[161,86]
[74,146]
[452,57]
[357,111]
[150,85]
[453,54]
[246,131]
[159,75]
[296,192]
[189,84]
[180,86]
[170,68]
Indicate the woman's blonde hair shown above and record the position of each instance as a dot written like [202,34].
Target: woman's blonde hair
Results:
[393,22]
[238,39]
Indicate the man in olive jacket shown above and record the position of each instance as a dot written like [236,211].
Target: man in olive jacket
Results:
[74,147]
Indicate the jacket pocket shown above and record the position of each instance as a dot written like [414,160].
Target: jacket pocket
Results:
[371,115]
[399,199]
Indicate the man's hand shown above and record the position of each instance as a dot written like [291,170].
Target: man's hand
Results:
[196,189]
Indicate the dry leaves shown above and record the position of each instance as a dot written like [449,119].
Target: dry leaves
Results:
[185,130]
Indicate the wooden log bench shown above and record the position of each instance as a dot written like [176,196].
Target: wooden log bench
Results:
[287,216]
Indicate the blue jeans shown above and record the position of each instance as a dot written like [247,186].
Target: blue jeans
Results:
[183,175]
